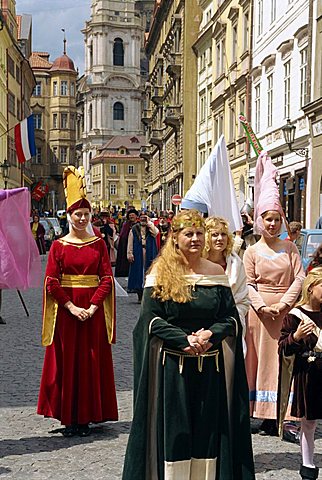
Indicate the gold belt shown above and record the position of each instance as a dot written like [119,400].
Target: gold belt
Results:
[183,355]
[79,281]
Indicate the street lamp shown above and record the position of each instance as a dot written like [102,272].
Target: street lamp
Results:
[164,190]
[5,170]
[289,137]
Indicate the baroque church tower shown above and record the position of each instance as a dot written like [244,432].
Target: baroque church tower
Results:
[112,85]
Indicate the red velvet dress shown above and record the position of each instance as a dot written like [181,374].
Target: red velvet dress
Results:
[77,384]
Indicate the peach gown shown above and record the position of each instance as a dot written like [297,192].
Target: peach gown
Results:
[271,279]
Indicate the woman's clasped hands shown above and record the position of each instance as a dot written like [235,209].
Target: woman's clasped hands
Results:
[270,313]
[81,313]
[198,342]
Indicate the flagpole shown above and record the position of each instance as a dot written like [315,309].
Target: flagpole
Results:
[7,131]
[21,176]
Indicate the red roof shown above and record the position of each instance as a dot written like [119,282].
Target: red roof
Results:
[63,63]
[40,60]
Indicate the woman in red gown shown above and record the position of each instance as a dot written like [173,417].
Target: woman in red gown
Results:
[77,385]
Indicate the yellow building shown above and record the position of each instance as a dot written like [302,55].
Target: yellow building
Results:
[118,173]
[54,108]
[19,85]
[231,66]
[5,43]
[170,114]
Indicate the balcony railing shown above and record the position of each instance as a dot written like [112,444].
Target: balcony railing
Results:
[172,116]
[174,65]
[157,96]
[145,152]
[156,137]
[146,117]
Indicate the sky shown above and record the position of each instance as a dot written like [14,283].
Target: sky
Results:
[49,17]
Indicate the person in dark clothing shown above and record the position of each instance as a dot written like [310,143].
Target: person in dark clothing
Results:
[122,265]
[108,230]
[38,232]
[300,349]
[141,251]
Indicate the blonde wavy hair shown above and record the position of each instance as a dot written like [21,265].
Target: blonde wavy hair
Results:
[314,277]
[171,265]
[220,225]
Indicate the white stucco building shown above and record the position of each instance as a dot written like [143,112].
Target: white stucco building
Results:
[280,88]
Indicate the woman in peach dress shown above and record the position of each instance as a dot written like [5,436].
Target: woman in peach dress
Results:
[274,276]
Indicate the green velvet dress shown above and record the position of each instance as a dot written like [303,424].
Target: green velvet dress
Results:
[191,414]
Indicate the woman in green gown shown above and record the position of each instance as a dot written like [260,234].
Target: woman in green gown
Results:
[191,410]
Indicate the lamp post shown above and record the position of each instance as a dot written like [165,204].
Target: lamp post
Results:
[164,191]
[5,170]
[289,137]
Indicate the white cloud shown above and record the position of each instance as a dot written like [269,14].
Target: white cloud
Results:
[48,18]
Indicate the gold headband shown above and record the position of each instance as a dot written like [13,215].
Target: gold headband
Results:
[187,223]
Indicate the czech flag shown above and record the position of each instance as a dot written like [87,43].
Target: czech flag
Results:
[25,139]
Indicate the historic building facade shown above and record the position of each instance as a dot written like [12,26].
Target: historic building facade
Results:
[313,110]
[281,78]
[170,104]
[54,107]
[223,50]
[118,173]
[110,91]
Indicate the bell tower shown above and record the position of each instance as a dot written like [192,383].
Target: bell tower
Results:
[112,86]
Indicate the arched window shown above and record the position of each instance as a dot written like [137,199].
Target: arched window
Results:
[118,111]
[118,52]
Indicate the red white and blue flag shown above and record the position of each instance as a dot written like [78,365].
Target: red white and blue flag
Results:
[25,139]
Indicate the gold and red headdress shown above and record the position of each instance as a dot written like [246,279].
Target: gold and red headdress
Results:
[75,188]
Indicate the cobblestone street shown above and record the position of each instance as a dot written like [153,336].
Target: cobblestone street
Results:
[29,447]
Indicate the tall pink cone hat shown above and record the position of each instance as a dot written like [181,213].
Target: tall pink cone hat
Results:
[266,195]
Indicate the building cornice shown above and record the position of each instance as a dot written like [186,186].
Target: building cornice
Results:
[160,14]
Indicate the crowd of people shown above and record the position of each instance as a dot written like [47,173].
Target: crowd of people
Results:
[227,321]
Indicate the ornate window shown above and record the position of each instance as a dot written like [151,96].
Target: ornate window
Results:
[118,111]
[118,52]
[303,70]
[287,89]
[63,120]
[37,120]
[64,87]
[37,90]
[63,154]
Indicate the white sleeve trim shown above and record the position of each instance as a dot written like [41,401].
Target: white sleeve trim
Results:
[150,324]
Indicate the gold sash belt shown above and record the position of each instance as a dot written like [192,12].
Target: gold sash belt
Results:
[183,355]
[79,281]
